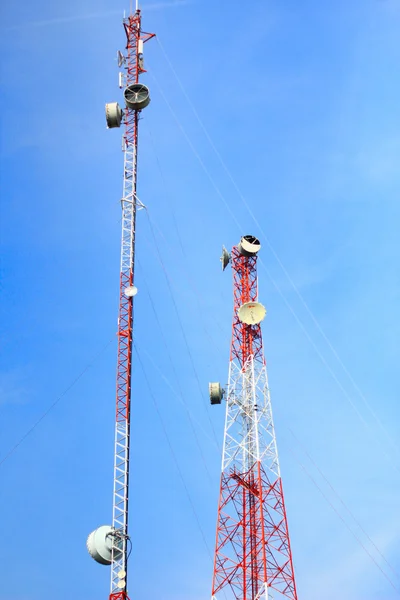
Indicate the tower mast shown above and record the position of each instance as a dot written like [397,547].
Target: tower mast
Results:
[253,558]
[110,544]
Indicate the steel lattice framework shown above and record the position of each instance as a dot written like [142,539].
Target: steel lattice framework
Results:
[130,204]
[253,558]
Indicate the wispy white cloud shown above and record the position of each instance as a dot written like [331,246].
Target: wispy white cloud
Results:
[63,20]
[154,6]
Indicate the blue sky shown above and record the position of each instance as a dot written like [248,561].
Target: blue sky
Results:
[301,102]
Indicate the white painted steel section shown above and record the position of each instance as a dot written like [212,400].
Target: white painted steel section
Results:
[120,505]
[249,429]
[265,593]
[121,464]
[128,205]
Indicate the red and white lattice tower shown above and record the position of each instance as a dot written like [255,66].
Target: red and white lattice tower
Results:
[253,558]
[110,544]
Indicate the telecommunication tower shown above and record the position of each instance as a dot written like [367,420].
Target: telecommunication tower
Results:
[109,544]
[253,558]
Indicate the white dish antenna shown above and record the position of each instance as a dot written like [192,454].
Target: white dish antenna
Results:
[120,58]
[114,115]
[249,245]
[131,291]
[252,313]
[137,96]
[216,392]
[225,258]
[99,544]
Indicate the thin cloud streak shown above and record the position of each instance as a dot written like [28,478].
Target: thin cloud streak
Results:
[62,20]
[111,13]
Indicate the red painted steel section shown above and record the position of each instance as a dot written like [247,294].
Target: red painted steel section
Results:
[133,32]
[125,317]
[252,540]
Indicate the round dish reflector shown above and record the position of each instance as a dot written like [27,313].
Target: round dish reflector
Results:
[131,291]
[225,258]
[216,392]
[99,544]
[113,115]
[137,96]
[249,245]
[251,313]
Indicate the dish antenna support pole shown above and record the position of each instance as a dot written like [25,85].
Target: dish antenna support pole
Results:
[253,557]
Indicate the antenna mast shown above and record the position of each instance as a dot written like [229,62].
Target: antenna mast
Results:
[253,558]
[109,545]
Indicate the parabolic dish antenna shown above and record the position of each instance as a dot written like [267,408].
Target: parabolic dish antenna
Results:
[225,258]
[120,58]
[251,313]
[249,245]
[99,544]
[137,96]
[216,392]
[114,115]
[130,291]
